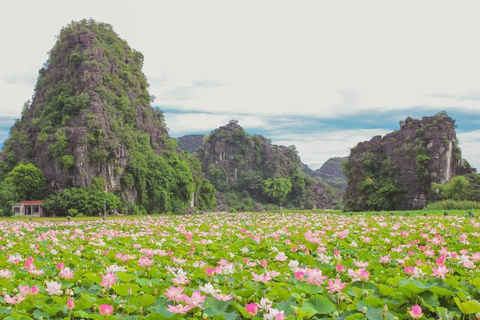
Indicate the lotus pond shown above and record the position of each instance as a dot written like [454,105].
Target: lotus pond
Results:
[237,266]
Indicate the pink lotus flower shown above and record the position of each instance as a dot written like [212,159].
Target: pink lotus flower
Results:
[106,310]
[33,290]
[195,300]
[14,258]
[70,304]
[6,274]
[60,265]
[361,264]
[440,272]
[179,308]
[175,294]
[26,290]
[15,300]
[339,268]
[416,312]
[261,278]
[66,273]
[385,259]
[54,288]
[409,270]
[299,275]
[440,261]
[336,286]
[144,262]
[108,280]
[263,263]
[210,271]
[315,277]
[223,297]
[252,308]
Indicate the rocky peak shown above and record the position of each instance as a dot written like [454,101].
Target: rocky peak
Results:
[235,160]
[401,166]
[90,109]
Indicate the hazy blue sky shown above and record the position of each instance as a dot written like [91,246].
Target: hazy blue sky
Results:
[322,75]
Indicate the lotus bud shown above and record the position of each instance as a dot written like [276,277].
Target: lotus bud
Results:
[336,314]
[385,308]
[364,310]
[205,316]
[395,318]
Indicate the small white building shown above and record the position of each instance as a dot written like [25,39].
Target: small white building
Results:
[29,208]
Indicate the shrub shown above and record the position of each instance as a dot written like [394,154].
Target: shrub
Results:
[453,205]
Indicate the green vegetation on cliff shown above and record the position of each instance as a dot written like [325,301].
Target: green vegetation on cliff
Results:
[248,169]
[90,123]
[397,171]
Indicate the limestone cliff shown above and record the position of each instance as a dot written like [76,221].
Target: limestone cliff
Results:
[237,162]
[396,171]
[90,112]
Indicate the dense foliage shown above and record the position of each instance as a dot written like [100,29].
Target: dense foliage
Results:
[83,200]
[378,189]
[91,123]
[28,182]
[243,266]
[249,169]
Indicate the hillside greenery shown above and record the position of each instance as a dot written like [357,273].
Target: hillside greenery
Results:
[255,171]
[92,96]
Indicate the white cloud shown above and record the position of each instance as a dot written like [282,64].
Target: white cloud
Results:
[186,123]
[316,148]
[253,59]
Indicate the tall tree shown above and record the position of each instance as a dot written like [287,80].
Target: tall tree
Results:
[29,182]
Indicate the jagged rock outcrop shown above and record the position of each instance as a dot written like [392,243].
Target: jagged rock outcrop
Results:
[91,120]
[89,95]
[191,142]
[396,171]
[331,172]
[239,163]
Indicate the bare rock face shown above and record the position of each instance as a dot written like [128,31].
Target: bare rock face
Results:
[396,171]
[91,107]
[331,172]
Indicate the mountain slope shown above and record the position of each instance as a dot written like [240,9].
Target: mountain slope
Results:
[396,171]
[91,119]
[248,167]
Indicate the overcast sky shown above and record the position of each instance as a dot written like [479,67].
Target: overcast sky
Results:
[322,75]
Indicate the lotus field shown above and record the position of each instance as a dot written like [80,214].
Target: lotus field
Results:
[237,266]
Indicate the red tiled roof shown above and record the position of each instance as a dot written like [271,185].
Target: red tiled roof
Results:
[32,202]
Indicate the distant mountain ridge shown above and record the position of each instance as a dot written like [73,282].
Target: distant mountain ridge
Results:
[331,172]
[191,142]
